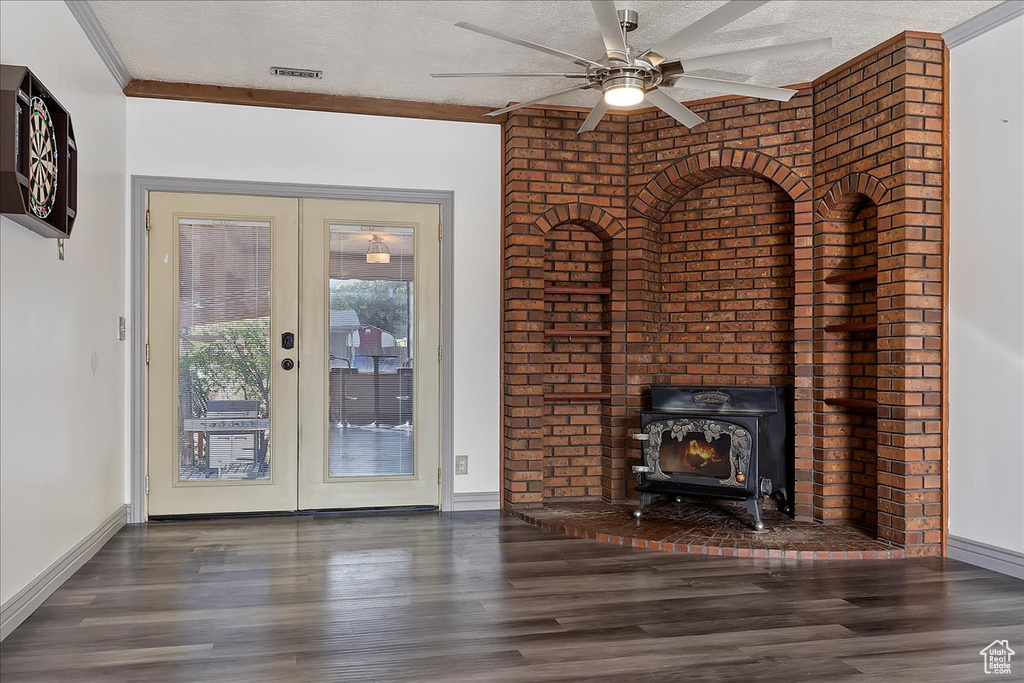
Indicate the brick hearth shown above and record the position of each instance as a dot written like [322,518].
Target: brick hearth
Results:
[707,529]
[789,243]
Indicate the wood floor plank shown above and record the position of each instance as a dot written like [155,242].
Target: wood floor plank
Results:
[481,598]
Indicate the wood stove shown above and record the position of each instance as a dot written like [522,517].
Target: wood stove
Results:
[734,443]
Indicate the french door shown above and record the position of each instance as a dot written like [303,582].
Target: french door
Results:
[368,436]
[292,354]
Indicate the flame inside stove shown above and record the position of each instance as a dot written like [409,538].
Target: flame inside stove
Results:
[699,453]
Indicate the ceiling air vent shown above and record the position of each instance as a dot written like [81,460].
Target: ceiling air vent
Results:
[296,73]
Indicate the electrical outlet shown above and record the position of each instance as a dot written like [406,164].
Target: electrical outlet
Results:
[461,464]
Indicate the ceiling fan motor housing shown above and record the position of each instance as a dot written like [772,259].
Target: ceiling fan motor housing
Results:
[638,76]
[629,19]
[625,80]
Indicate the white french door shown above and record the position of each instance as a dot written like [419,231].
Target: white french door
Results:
[223,288]
[369,404]
[292,363]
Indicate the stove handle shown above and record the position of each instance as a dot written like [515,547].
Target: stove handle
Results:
[641,472]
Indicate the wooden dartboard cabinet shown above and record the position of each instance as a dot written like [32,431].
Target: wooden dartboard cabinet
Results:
[38,156]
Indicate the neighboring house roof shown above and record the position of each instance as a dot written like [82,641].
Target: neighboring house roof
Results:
[347,320]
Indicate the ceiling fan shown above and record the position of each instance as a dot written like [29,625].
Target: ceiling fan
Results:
[627,76]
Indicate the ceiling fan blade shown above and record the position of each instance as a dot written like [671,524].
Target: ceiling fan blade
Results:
[504,74]
[498,112]
[594,117]
[611,30]
[582,61]
[732,88]
[757,54]
[724,15]
[664,102]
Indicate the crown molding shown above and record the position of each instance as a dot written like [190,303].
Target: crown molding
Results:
[984,22]
[83,13]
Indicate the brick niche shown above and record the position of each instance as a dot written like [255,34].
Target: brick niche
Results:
[794,243]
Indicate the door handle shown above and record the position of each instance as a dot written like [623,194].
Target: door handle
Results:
[288,340]
[287,364]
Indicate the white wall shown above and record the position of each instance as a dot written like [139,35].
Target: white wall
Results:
[196,140]
[62,448]
[986,285]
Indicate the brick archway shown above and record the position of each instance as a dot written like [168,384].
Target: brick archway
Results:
[656,200]
[837,199]
[548,377]
[661,193]
[850,468]
[594,218]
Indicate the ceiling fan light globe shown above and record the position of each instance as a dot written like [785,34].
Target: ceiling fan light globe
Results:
[623,96]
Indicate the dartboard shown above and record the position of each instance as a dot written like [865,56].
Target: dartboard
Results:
[42,157]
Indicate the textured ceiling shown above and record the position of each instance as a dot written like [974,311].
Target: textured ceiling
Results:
[387,49]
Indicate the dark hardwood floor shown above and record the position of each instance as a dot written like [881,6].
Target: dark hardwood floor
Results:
[476,597]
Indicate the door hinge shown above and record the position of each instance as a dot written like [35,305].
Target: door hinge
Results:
[147,220]
[439,475]
[438,353]
[147,484]
[439,232]
[147,353]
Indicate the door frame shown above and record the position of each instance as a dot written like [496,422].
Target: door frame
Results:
[142,185]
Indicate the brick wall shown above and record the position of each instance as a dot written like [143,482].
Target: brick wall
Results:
[565,198]
[878,139]
[745,139]
[727,283]
[712,248]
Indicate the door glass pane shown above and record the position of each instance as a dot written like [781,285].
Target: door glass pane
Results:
[371,351]
[223,350]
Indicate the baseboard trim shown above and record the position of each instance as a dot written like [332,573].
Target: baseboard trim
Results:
[986,556]
[482,500]
[25,602]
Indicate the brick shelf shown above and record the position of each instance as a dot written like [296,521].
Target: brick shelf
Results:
[566,396]
[851,276]
[564,332]
[861,405]
[577,290]
[851,327]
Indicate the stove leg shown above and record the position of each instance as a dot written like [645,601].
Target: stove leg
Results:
[753,506]
[645,500]
[783,499]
